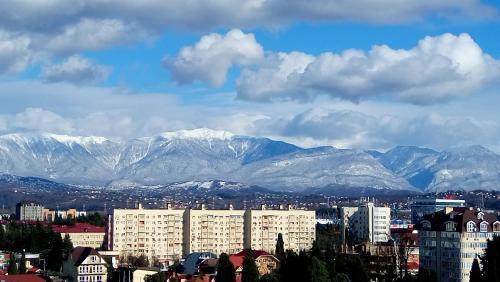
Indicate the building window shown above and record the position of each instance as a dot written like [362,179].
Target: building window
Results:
[496,226]
[484,226]
[471,226]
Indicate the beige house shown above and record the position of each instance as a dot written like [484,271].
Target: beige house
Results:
[85,265]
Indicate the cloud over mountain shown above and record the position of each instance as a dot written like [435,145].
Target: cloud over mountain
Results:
[439,68]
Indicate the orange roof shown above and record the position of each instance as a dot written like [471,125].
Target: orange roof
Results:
[236,260]
[78,228]
[21,278]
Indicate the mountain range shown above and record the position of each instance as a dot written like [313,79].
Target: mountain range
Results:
[204,155]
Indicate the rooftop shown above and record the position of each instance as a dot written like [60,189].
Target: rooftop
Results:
[78,228]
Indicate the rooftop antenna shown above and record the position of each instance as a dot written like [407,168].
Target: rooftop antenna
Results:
[84,207]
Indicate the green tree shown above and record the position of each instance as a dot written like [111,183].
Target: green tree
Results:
[290,267]
[330,257]
[12,265]
[250,272]
[22,263]
[2,237]
[280,248]
[491,260]
[225,269]
[424,275]
[319,273]
[316,251]
[475,273]
[67,246]
[268,278]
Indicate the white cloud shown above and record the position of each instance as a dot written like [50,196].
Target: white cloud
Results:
[92,34]
[77,70]
[38,120]
[14,52]
[439,68]
[213,55]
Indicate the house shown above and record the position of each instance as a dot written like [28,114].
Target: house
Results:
[266,263]
[21,278]
[85,265]
[141,274]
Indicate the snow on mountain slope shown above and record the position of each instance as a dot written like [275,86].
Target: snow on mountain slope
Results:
[205,155]
[463,168]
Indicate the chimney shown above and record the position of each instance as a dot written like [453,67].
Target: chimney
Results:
[263,207]
[282,207]
[203,207]
[289,207]
[231,207]
[169,206]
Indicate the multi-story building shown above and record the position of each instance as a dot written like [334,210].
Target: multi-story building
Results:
[215,231]
[421,207]
[29,210]
[298,228]
[155,233]
[169,234]
[365,223]
[83,235]
[451,239]
[85,264]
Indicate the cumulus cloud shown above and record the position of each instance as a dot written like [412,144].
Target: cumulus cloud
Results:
[77,70]
[439,68]
[213,55]
[14,52]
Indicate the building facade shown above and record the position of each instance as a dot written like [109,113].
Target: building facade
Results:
[298,228]
[155,233]
[451,239]
[83,235]
[422,207]
[365,223]
[215,231]
[29,210]
[170,234]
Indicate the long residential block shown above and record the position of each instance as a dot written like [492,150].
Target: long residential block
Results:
[169,234]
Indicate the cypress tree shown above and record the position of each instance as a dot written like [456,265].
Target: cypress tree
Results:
[22,264]
[280,248]
[491,260]
[12,265]
[225,269]
[250,272]
[319,273]
[475,273]
[67,246]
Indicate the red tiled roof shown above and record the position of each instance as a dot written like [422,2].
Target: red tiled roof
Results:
[237,261]
[21,278]
[78,228]
[255,253]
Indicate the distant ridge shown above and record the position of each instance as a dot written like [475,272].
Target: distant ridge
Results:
[205,155]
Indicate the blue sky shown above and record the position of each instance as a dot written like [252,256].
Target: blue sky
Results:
[352,74]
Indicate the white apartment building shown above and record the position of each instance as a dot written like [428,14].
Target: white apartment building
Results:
[452,238]
[215,231]
[169,234]
[156,233]
[365,223]
[298,228]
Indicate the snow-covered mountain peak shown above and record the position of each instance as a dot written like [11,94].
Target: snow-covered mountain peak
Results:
[84,140]
[199,133]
